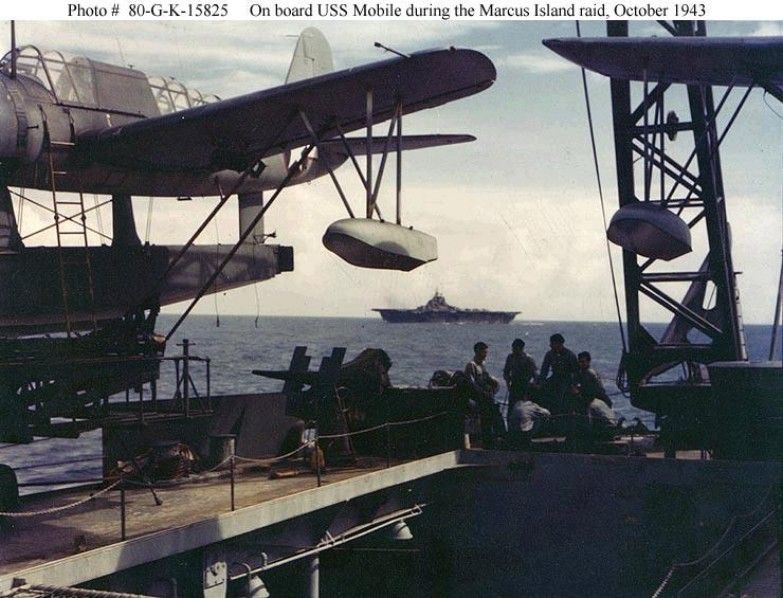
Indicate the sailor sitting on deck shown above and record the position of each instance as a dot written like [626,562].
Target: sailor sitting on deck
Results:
[525,418]
[592,400]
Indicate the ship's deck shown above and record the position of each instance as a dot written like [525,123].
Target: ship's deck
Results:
[61,532]
[612,496]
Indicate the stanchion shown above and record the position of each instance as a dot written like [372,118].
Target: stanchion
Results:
[317,452]
[388,445]
[186,376]
[231,462]
[317,465]
[122,513]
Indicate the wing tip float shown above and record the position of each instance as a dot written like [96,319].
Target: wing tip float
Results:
[380,245]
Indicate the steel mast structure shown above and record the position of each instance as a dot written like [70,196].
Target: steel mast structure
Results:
[689,185]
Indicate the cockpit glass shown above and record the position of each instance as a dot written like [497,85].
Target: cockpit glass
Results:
[85,82]
[172,96]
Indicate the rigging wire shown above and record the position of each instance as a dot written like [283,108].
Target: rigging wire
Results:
[149,220]
[601,196]
[776,321]
[217,265]
[98,216]
[47,210]
[258,304]
[255,284]
[20,210]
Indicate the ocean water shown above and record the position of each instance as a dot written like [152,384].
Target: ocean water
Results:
[240,344]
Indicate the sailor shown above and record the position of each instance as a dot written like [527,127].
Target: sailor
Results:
[592,397]
[483,383]
[519,370]
[525,418]
[562,364]
[484,387]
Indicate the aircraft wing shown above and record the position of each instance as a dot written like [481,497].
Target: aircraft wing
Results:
[726,61]
[235,132]
[358,145]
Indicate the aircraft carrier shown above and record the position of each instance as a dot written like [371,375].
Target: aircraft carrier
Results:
[437,310]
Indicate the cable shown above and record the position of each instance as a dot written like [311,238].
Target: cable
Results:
[776,320]
[601,196]
[258,304]
[217,265]
[149,220]
[97,204]
[255,290]
[52,510]
[21,210]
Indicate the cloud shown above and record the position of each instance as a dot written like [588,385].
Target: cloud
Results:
[537,63]
[769,28]
[533,250]
[515,213]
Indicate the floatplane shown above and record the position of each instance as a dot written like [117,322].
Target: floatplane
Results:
[73,126]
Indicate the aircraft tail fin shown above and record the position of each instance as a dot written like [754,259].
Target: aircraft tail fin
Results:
[312,56]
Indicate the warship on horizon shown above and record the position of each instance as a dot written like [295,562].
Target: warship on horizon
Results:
[437,310]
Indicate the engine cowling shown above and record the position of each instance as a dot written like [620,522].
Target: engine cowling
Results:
[9,125]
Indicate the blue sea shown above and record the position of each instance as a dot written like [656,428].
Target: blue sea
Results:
[238,344]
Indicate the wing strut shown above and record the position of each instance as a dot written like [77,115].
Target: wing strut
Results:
[399,162]
[254,169]
[371,187]
[368,181]
[370,243]
[329,168]
[292,170]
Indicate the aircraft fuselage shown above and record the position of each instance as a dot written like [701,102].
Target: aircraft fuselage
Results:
[39,135]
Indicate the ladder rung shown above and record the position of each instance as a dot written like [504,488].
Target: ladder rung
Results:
[64,202]
[60,172]
[62,144]
[71,232]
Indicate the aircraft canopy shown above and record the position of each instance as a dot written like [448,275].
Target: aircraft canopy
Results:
[85,82]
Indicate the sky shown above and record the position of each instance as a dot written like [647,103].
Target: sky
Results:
[516,213]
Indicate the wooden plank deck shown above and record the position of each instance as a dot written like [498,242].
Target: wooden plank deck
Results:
[42,538]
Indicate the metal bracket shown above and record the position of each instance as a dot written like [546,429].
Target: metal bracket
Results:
[215,570]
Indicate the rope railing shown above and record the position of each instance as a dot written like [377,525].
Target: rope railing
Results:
[354,433]
[123,481]
[262,462]
[179,481]
[383,426]
[276,459]
[272,460]
[126,481]
[51,510]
